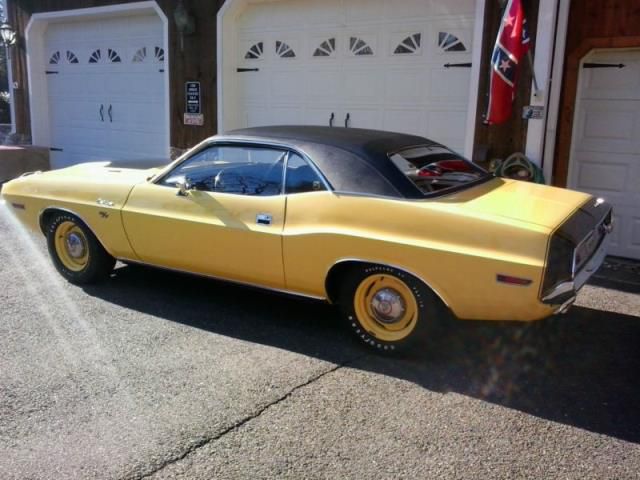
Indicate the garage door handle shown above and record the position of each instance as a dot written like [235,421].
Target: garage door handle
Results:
[101,113]
[346,120]
[331,118]
[110,113]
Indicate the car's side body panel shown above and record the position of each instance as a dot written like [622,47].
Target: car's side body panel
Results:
[456,250]
[92,192]
[207,233]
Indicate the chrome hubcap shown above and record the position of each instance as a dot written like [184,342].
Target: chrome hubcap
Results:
[75,245]
[388,306]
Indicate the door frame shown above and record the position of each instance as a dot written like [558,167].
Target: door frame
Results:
[36,60]
[227,54]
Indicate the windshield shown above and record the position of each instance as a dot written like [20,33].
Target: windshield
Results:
[435,169]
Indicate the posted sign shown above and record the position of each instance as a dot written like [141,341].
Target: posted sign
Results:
[193,103]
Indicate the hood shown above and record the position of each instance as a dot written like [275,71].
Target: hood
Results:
[522,201]
[101,172]
[83,184]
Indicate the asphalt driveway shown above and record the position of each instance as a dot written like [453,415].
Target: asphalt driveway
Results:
[167,376]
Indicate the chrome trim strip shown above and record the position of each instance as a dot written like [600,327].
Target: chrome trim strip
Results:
[562,309]
[397,267]
[346,193]
[223,279]
[560,289]
[28,174]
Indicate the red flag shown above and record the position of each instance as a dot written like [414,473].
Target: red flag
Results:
[512,45]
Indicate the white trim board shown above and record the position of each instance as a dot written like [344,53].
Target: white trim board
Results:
[34,37]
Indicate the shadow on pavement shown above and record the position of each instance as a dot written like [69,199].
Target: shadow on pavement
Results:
[580,369]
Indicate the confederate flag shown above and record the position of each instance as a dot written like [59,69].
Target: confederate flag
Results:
[512,45]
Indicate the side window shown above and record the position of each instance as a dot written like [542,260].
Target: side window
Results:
[301,177]
[232,169]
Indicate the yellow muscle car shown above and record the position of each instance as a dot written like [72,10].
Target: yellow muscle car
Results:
[390,227]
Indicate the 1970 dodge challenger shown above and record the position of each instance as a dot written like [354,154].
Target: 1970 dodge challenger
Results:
[388,226]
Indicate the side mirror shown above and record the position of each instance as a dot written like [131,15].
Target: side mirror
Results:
[184,187]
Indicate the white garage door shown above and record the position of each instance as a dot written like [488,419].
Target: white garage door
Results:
[106,90]
[606,143]
[369,63]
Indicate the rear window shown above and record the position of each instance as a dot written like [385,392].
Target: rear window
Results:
[436,169]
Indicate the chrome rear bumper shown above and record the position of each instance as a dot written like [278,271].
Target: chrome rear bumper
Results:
[564,294]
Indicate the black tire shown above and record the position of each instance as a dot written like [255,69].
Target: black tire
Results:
[430,313]
[99,264]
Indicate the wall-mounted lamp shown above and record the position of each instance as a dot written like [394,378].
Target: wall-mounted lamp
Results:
[7,35]
[185,23]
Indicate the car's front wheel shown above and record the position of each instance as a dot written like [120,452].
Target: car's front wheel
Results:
[388,309]
[76,252]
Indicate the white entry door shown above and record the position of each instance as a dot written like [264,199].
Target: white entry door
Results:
[400,66]
[605,158]
[106,90]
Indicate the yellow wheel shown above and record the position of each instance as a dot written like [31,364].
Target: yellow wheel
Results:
[71,246]
[386,307]
[76,252]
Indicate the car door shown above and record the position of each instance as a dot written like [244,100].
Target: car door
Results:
[220,212]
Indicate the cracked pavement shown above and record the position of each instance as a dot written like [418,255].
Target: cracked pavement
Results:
[159,375]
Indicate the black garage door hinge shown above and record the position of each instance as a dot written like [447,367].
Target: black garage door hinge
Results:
[603,65]
[241,70]
[457,65]
[50,72]
[54,149]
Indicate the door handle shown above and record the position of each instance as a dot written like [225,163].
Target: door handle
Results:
[263,219]
[346,120]
[101,112]
[331,118]
[110,112]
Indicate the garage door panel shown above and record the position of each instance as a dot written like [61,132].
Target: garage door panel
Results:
[605,157]
[407,86]
[357,11]
[449,85]
[446,127]
[255,86]
[606,178]
[609,126]
[263,116]
[363,72]
[117,63]
[143,145]
[322,116]
[287,86]
[411,9]
[612,83]
[363,85]
[78,114]
[363,117]
[323,84]
[405,120]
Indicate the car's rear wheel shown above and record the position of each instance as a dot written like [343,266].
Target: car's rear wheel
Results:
[76,252]
[386,308]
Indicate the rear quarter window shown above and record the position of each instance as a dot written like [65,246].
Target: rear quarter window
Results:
[436,169]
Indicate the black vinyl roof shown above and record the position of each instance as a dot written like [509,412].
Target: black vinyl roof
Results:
[352,159]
